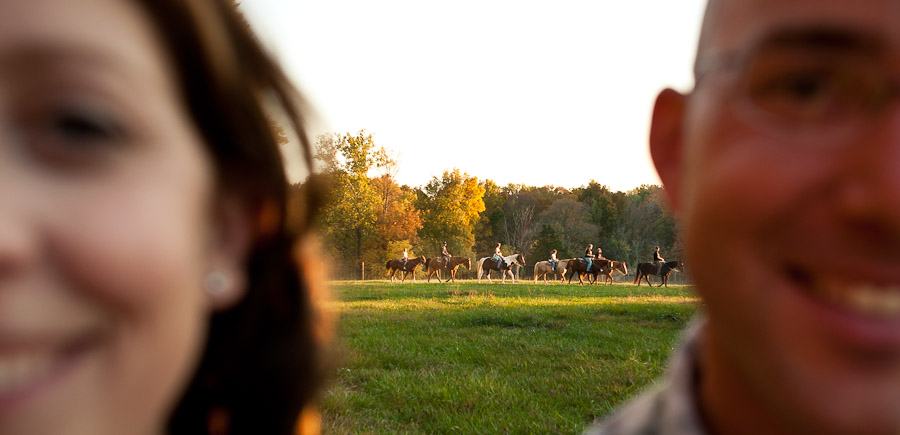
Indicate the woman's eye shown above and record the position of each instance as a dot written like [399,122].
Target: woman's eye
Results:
[81,128]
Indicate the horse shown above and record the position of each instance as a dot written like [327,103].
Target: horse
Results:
[392,266]
[577,265]
[488,263]
[644,270]
[614,266]
[435,265]
[542,268]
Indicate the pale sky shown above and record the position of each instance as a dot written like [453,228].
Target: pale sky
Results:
[518,91]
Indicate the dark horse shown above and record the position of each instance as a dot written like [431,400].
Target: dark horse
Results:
[394,265]
[644,270]
[435,265]
[577,265]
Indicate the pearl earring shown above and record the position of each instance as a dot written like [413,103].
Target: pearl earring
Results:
[216,282]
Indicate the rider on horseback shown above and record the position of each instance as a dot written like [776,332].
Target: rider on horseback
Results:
[499,257]
[658,260]
[445,255]
[405,258]
[553,261]
[589,255]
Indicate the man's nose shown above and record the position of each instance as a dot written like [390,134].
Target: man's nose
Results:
[869,179]
[18,243]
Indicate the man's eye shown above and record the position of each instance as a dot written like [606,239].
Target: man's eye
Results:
[806,96]
[801,87]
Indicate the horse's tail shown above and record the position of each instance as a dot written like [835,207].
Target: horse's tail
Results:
[426,265]
[387,265]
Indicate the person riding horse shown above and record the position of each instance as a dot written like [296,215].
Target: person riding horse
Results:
[658,260]
[498,255]
[589,255]
[553,261]
[405,258]
[445,255]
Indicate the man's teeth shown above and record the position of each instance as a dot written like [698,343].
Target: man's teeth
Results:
[21,369]
[867,299]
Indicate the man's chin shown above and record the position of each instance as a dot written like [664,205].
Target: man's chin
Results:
[834,357]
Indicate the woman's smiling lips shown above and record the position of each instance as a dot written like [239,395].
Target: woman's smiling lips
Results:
[29,366]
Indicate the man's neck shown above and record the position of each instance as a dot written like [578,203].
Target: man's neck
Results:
[727,403]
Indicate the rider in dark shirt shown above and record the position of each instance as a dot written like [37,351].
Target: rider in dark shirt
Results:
[658,260]
[589,255]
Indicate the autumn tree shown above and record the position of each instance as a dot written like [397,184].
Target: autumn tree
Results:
[450,207]
[397,222]
[350,215]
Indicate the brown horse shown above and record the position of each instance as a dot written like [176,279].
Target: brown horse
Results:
[644,270]
[577,266]
[435,265]
[614,266]
[392,266]
[542,269]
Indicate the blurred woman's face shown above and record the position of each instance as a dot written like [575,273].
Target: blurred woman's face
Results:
[106,200]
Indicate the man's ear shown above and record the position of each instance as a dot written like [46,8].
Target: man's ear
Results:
[232,234]
[666,142]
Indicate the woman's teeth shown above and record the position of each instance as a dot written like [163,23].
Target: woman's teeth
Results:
[22,368]
[882,301]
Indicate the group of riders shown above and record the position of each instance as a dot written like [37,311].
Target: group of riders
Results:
[589,257]
[445,257]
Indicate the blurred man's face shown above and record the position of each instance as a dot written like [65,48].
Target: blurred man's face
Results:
[788,182]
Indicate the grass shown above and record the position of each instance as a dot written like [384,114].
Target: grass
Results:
[491,358]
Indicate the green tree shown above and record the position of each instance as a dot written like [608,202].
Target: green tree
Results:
[569,219]
[606,212]
[490,221]
[547,241]
[450,208]
[351,212]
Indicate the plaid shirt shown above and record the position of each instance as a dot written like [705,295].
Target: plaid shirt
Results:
[670,408]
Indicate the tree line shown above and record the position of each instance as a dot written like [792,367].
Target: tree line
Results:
[369,217]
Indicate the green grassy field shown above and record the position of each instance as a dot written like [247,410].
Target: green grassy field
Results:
[492,358]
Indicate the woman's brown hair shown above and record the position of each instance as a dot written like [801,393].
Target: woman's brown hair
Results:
[261,364]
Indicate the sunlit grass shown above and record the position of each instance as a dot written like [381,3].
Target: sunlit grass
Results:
[491,358]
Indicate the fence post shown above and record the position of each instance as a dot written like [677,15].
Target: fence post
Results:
[363,270]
